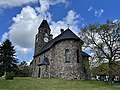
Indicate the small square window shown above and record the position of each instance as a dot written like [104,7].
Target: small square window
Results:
[39,60]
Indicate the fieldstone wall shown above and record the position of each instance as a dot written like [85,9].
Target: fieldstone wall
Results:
[58,67]
[67,70]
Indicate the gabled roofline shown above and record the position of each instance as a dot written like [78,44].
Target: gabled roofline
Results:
[66,35]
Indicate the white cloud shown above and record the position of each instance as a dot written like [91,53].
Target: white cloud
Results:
[45,4]
[13,3]
[72,18]
[23,52]
[98,12]
[116,21]
[90,8]
[23,30]
[5,36]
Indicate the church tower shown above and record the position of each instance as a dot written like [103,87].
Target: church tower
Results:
[42,37]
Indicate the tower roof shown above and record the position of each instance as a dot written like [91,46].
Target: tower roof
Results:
[44,24]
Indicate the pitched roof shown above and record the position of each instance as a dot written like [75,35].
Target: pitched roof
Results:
[44,24]
[66,35]
[85,54]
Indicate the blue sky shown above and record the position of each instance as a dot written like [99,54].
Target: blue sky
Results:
[21,18]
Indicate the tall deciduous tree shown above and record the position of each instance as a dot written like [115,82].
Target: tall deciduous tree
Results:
[8,58]
[104,41]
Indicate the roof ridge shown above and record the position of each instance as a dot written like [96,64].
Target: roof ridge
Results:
[66,35]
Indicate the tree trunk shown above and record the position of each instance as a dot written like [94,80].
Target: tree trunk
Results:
[110,73]
[4,74]
[110,80]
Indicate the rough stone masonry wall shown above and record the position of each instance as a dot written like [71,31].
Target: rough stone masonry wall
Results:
[34,67]
[62,69]
[58,68]
[44,70]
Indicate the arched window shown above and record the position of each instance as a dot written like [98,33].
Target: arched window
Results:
[39,60]
[77,52]
[67,55]
[35,62]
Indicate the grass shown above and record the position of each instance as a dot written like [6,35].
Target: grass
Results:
[28,83]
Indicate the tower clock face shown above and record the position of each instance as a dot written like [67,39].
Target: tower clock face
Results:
[45,39]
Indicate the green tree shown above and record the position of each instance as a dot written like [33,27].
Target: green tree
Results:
[104,41]
[23,69]
[8,58]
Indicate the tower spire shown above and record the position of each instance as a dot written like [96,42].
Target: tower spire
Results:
[44,24]
[42,37]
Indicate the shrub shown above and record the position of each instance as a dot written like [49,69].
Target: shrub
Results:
[9,76]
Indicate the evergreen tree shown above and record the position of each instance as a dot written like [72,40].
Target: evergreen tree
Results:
[8,60]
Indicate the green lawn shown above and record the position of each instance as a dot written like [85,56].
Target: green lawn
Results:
[22,83]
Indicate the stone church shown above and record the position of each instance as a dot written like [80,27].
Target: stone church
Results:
[59,57]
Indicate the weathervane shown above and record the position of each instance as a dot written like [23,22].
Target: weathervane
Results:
[68,25]
[45,17]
